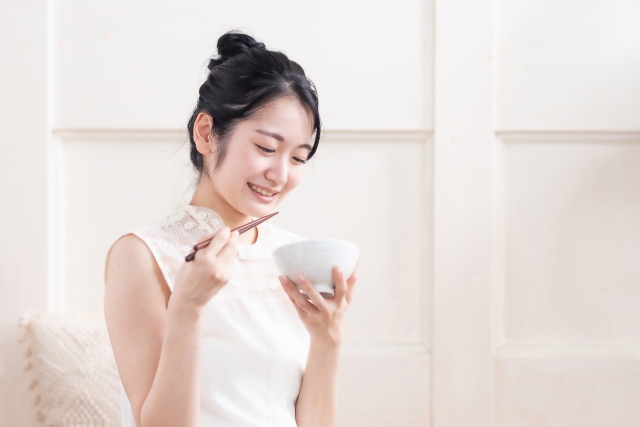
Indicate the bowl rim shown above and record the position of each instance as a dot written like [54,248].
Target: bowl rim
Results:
[306,241]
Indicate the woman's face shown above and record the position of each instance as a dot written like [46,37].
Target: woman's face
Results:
[264,158]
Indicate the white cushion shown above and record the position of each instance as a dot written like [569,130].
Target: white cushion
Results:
[78,383]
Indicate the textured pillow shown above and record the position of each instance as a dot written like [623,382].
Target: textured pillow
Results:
[77,378]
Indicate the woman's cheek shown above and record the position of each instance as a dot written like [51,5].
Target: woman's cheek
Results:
[294,178]
[251,163]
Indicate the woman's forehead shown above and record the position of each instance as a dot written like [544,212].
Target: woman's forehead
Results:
[284,119]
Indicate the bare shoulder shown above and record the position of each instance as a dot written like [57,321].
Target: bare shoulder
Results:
[135,305]
[130,268]
[135,289]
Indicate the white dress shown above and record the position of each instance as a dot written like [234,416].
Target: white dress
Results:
[255,347]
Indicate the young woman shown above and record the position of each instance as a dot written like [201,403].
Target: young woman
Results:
[223,340]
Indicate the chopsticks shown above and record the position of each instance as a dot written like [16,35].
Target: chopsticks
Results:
[246,227]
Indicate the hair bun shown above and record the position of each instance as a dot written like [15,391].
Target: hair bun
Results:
[231,44]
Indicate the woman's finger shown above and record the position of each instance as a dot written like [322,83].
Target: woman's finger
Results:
[312,293]
[341,284]
[219,240]
[351,283]
[301,312]
[293,292]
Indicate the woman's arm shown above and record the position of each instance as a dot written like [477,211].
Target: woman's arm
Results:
[156,345]
[157,340]
[317,403]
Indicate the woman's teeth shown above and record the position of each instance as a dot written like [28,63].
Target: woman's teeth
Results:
[259,190]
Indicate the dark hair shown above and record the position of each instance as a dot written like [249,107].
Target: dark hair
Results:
[242,79]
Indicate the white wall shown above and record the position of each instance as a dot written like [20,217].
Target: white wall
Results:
[123,81]
[122,93]
[24,230]
[568,116]
[505,135]
[362,55]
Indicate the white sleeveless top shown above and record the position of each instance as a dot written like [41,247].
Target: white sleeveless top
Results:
[255,347]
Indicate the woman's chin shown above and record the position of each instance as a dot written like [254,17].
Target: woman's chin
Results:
[258,210]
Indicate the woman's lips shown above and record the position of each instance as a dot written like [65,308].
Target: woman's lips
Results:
[258,192]
[261,190]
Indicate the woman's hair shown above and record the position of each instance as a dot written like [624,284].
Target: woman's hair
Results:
[244,78]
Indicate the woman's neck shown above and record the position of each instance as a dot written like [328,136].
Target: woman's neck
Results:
[206,196]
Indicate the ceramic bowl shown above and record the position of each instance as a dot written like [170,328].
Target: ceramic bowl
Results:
[315,259]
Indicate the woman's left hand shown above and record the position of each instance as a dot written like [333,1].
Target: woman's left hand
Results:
[322,317]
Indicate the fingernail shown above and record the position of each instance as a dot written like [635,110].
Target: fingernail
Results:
[300,277]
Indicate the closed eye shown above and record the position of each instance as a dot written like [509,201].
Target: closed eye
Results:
[270,151]
[266,150]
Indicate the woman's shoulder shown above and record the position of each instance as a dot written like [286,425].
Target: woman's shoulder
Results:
[169,238]
[132,257]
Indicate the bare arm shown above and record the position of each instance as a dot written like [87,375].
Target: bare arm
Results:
[156,336]
[317,404]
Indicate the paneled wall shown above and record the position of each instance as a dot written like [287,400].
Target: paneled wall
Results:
[568,112]
[24,228]
[484,155]
[124,65]
[122,92]
[536,207]
[564,65]
[570,346]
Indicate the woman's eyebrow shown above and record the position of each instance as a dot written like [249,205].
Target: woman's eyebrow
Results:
[271,134]
[280,138]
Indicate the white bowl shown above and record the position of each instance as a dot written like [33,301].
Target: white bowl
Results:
[315,259]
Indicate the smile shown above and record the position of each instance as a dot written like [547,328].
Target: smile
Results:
[260,190]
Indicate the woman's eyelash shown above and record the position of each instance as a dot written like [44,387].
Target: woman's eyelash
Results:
[269,150]
[266,150]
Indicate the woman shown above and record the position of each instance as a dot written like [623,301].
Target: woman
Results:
[218,341]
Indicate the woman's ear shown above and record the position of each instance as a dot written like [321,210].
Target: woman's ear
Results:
[202,135]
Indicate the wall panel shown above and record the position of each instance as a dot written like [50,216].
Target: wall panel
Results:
[556,387]
[113,183]
[375,191]
[566,65]
[368,187]
[371,189]
[112,72]
[573,240]
[384,388]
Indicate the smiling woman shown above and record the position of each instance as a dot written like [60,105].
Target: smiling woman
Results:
[244,78]
[264,160]
[223,340]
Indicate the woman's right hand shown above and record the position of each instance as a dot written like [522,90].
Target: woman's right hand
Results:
[201,279]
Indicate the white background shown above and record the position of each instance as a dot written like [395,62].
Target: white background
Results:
[484,155]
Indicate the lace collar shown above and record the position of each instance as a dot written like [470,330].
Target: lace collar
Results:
[210,220]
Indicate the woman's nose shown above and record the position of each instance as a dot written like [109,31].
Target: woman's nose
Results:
[277,173]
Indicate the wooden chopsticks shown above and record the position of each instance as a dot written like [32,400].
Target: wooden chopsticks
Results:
[246,227]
